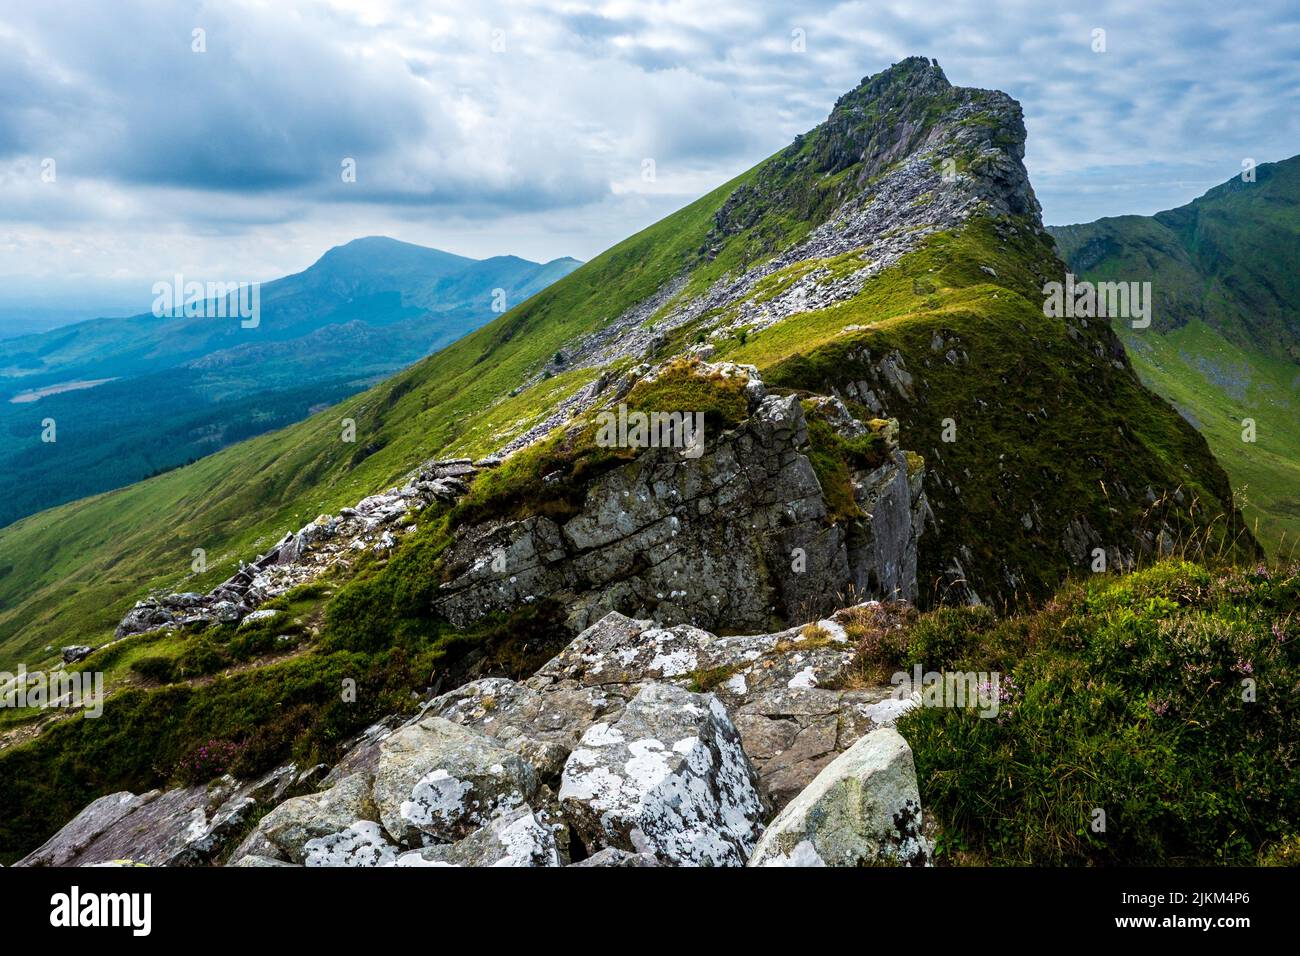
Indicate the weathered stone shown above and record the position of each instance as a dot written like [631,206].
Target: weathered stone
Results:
[67,846]
[516,837]
[362,752]
[861,810]
[668,777]
[300,820]
[541,728]
[361,844]
[438,780]
[702,540]
[256,617]
[612,856]
[260,861]
[76,652]
[184,827]
[272,786]
[773,684]
[305,555]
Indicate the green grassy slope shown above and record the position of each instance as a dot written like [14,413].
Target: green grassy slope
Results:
[1164,698]
[1046,429]
[1224,344]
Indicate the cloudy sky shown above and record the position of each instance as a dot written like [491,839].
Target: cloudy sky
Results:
[521,126]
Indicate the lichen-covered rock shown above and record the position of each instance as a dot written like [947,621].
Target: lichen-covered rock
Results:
[669,777]
[437,781]
[612,856]
[260,862]
[289,828]
[516,837]
[861,810]
[781,689]
[617,653]
[361,844]
[508,710]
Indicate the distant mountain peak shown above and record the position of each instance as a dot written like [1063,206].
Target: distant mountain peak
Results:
[385,254]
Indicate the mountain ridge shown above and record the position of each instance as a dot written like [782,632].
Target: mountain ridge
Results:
[863,331]
[928,269]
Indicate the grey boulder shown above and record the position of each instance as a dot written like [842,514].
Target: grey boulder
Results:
[294,829]
[437,781]
[863,809]
[518,837]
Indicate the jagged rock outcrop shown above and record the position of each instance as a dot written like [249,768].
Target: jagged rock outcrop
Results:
[186,827]
[930,156]
[740,536]
[782,689]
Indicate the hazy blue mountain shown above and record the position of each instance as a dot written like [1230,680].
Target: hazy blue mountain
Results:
[377,280]
[170,390]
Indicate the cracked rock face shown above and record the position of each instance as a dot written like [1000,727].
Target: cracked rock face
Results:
[863,809]
[669,777]
[706,541]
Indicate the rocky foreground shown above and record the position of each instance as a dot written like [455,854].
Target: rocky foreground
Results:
[612,754]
